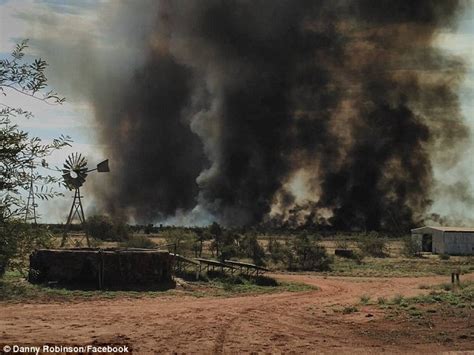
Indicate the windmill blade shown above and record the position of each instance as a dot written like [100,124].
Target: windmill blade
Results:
[80,180]
[74,171]
[68,164]
[82,174]
[80,161]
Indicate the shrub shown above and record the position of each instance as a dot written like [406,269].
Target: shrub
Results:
[216,233]
[411,247]
[358,257]
[265,281]
[138,241]
[350,309]
[309,255]
[373,244]
[219,276]
[364,299]
[17,242]
[105,228]
[180,240]
[148,228]
[251,248]
[228,251]
[276,250]
[226,245]
[201,236]
[342,244]
[444,256]
[398,299]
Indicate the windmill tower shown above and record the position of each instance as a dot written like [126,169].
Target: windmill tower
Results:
[74,175]
[30,202]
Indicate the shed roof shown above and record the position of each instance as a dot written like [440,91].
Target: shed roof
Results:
[443,229]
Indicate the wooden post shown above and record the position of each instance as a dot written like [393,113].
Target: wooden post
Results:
[455,276]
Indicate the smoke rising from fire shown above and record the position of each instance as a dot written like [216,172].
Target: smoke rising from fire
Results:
[279,112]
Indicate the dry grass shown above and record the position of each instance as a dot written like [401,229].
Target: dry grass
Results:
[393,265]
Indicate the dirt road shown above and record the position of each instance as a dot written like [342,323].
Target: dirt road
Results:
[286,322]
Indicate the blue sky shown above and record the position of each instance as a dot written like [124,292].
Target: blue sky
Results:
[24,18]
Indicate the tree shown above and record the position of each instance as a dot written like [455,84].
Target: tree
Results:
[105,228]
[373,244]
[276,250]
[251,248]
[180,240]
[216,232]
[202,236]
[22,155]
[309,255]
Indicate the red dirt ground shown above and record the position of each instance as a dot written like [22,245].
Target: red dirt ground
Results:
[286,322]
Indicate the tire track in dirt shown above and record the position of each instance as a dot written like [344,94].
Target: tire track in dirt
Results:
[285,322]
[282,305]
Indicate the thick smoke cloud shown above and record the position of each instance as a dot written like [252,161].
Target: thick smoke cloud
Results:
[281,112]
[156,156]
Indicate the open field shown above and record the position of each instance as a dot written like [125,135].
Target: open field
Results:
[328,319]
[401,266]
[394,304]
[395,264]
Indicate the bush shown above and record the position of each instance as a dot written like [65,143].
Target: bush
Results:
[350,309]
[138,241]
[215,232]
[148,228]
[228,251]
[183,241]
[309,255]
[373,244]
[225,244]
[265,281]
[364,299]
[411,247]
[277,251]
[251,248]
[358,257]
[18,240]
[444,256]
[105,228]
[260,280]
[398,299]
[342,244]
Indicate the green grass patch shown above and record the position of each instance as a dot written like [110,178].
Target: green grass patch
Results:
[14,288]
[398,299]
[364,299]
[349,309]
[228,285]
[457,300]
[463,295]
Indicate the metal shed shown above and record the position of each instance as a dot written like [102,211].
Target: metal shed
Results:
[445,240]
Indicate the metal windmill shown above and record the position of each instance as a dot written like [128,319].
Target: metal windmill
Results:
[30,202]
[74,175]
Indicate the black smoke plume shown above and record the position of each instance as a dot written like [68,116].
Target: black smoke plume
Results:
[235,100]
